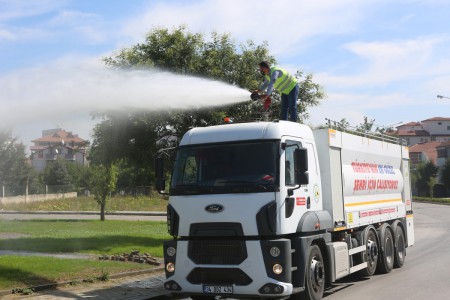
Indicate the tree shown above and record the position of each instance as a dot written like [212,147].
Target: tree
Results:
[133,137]
[15,172]
[103,182]
[445,174]
[422,173]
[366,126]
[57,176]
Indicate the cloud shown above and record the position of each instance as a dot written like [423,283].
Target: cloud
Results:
[19,9]
[285,24]
[381,63]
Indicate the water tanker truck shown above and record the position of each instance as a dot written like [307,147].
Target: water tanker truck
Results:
[278,210]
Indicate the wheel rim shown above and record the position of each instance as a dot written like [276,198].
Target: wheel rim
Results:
[389,250]
[317,274]
[400,247]
[372,253]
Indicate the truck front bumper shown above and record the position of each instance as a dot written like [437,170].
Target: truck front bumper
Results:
[265,271]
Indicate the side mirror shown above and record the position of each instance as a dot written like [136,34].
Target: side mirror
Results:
[160,182]
[301,166]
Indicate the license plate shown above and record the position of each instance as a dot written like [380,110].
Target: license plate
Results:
[218,289]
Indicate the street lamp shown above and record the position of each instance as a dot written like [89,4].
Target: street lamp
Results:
[440,97]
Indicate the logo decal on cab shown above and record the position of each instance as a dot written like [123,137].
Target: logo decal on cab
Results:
[214,208]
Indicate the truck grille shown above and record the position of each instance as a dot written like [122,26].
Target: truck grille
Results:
[219,252]
[217,243]
[219,276]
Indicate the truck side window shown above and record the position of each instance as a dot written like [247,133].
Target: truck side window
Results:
[289,161]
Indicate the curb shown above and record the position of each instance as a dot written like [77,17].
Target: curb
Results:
[48,286]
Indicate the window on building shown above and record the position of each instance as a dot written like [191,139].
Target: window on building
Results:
[439,123]
[448,127]
[441,153]
[415,157]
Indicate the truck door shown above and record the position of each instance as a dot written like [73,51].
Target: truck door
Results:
[297,200]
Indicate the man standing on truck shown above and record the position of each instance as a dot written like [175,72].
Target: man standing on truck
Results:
[280,79]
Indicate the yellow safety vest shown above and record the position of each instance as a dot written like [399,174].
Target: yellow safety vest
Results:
[283,84]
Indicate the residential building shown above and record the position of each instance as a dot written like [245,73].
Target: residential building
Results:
[58,144]
[434,129]
[424,152]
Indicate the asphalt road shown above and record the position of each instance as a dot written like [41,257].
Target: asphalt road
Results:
[426,273]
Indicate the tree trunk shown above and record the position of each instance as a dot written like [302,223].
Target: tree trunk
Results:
[102,210]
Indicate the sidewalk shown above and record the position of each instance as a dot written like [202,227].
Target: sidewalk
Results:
[132,287]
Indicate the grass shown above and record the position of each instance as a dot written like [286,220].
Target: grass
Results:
[117,203]
[85,236]
[27,271]
[74,236]
[429,199]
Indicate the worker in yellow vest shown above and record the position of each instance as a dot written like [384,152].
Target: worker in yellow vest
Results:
[285,83]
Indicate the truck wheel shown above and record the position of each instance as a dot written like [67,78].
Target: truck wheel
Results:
[400,248]
[386,257]
[371,254]
[315,275]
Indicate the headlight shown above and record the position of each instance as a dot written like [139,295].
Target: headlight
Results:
[170,267]
[171,251]
[277,269]
[275,251]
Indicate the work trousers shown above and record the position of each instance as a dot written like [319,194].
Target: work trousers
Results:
[289,104]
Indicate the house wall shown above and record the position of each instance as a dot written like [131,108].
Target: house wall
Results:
[412,140]
[39,161]
[437,127]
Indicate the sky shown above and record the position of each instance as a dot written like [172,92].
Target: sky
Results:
[385,60]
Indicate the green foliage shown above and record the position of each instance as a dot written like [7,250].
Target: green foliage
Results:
[14,169]
[420,177]
[56,174]
[102,183]
[366,126]
[129,140]
[445,174]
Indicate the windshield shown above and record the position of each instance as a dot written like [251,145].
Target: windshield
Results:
[226,168]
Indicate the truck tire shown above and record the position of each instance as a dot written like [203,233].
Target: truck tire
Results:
[371,254]
[400,248]
[386,257]
[314,276]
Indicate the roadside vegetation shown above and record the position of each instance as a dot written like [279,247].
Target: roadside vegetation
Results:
[432,200]
[117,203]
[74,236]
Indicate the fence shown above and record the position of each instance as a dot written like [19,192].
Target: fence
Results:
[25,194]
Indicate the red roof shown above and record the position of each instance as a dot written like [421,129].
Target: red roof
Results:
[437,119]
[444,145]
[412,133]
[410,124]
[60,136]
[428,148]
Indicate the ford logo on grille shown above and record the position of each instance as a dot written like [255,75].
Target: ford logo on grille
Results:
[214,208]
